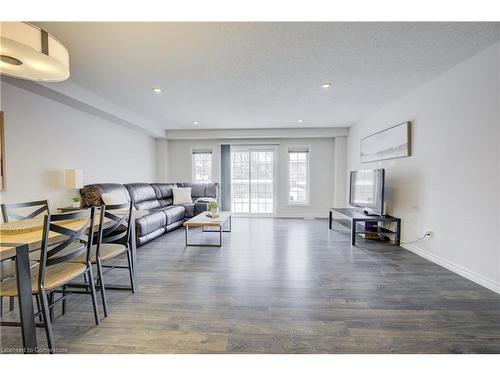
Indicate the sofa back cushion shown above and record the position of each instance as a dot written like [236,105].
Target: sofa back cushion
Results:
[212,190]
[197,190]
[143,195]
[114,198]
[164,193]
[92,194]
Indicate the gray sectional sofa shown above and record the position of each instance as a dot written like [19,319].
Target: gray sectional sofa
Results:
[157,200]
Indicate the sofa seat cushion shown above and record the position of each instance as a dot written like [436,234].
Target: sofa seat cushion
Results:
[151,222]
[148,205]
[173,213]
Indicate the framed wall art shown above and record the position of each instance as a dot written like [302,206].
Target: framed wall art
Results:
[391,143]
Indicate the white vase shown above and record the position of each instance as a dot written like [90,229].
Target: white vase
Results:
[76,204]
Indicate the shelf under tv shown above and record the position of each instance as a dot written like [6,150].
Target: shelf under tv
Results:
[355,220]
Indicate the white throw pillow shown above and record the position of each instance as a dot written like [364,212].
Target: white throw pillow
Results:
[182,195]
[116,197]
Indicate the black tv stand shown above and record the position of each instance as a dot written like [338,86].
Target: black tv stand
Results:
[355,220]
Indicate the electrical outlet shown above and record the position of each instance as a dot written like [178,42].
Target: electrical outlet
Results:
[428,233]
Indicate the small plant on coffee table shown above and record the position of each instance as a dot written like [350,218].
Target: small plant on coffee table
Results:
[213,206]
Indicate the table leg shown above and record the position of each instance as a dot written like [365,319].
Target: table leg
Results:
[353,232]
[133,246]
[219,231]
[398,233]
[26,299]
[330,220]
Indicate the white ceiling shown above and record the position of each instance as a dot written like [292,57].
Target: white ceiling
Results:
[262,75]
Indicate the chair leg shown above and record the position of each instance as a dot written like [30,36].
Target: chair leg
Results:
[94,297]
[131,271]
[38,307]
[51,308]
[101,285]
[1,307]
[131,258]
[64,300]
[11,304]
[46,318]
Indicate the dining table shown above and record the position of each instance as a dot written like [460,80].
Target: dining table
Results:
[17,246]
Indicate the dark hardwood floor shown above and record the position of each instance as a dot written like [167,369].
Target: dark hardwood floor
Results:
[282,286]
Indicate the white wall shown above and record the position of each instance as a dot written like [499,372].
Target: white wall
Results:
[321,169]
[451,182]
[340,170]
[44,137]
[498,108]
[161,146]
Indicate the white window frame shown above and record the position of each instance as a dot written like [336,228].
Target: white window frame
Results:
[202,150]
[290,150]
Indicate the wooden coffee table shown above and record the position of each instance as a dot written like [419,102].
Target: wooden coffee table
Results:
[203,221]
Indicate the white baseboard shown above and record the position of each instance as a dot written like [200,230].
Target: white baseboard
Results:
[470,275]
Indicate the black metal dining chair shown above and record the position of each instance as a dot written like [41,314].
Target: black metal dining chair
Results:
[15,212]
[58,266]
[112,240]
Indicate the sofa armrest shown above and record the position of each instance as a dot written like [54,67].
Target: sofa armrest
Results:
[200,207]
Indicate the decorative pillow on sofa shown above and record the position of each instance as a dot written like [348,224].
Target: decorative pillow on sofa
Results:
[116,197]
[182,195]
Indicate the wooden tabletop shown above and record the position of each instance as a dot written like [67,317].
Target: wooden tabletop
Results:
[202,220]
[34,238]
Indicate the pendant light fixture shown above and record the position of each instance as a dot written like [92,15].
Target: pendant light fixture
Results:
[28,52]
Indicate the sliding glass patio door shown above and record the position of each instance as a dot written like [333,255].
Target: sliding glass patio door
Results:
[252,180]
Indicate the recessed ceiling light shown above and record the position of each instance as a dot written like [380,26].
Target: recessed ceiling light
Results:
[300,121]
[195,122]
[157,90]
[326,85]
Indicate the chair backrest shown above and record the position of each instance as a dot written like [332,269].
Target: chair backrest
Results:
[77,228]
[16,211]
[117,228]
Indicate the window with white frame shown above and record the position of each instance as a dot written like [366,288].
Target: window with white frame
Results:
[298,175]
[202,165]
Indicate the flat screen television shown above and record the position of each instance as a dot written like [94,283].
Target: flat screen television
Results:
[367,191]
